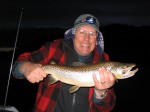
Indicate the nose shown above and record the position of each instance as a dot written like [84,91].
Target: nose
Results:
[87,36]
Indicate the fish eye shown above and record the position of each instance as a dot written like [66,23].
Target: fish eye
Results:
[123,72]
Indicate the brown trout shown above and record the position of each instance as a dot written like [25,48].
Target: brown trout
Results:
[82,75]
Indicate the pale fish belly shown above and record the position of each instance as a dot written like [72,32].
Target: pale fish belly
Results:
[81,79]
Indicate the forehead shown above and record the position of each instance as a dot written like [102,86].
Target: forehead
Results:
[88,27]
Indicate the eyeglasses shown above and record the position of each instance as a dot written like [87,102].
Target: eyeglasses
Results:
[83,33]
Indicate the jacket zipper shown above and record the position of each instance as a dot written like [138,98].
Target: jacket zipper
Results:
[73,101]
[90,107]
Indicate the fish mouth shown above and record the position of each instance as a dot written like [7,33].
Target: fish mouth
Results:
[130,71]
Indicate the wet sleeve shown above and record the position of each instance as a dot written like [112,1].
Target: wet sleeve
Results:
[16,72]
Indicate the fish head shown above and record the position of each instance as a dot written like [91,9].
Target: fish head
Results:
[123,70]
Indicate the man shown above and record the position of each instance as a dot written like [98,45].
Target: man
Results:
[82,43]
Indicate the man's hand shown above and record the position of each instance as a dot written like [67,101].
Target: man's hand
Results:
[106,80]
[33,72]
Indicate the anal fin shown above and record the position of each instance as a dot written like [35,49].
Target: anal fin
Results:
[73,89]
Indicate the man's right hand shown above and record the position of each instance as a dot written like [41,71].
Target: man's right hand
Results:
[33,72]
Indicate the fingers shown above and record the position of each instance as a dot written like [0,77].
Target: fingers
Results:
[106,76]
[35,74]
[102,75]
[95,79]
[34,78]
[106,79]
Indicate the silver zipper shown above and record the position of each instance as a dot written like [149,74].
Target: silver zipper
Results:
[90,107]
[73,100]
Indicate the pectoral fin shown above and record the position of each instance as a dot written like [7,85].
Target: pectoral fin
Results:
[73,89]
[51,79]
[52,62]
[77,64]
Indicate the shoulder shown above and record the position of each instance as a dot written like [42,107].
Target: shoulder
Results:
[54,43]
[106,56]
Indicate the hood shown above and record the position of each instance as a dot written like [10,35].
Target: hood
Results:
[69,34]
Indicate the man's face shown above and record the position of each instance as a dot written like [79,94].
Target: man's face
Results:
[85,40]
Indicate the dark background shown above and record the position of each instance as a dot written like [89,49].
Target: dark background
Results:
[124,43]
[125,26]
[62,13]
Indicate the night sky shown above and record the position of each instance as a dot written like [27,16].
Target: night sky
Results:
[122,42]
[62,13]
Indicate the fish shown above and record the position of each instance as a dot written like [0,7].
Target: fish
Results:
[81,75]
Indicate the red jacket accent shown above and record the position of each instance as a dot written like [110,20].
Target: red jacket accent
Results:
[47,94]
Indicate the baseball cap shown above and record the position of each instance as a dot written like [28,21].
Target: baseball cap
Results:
[87,19]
